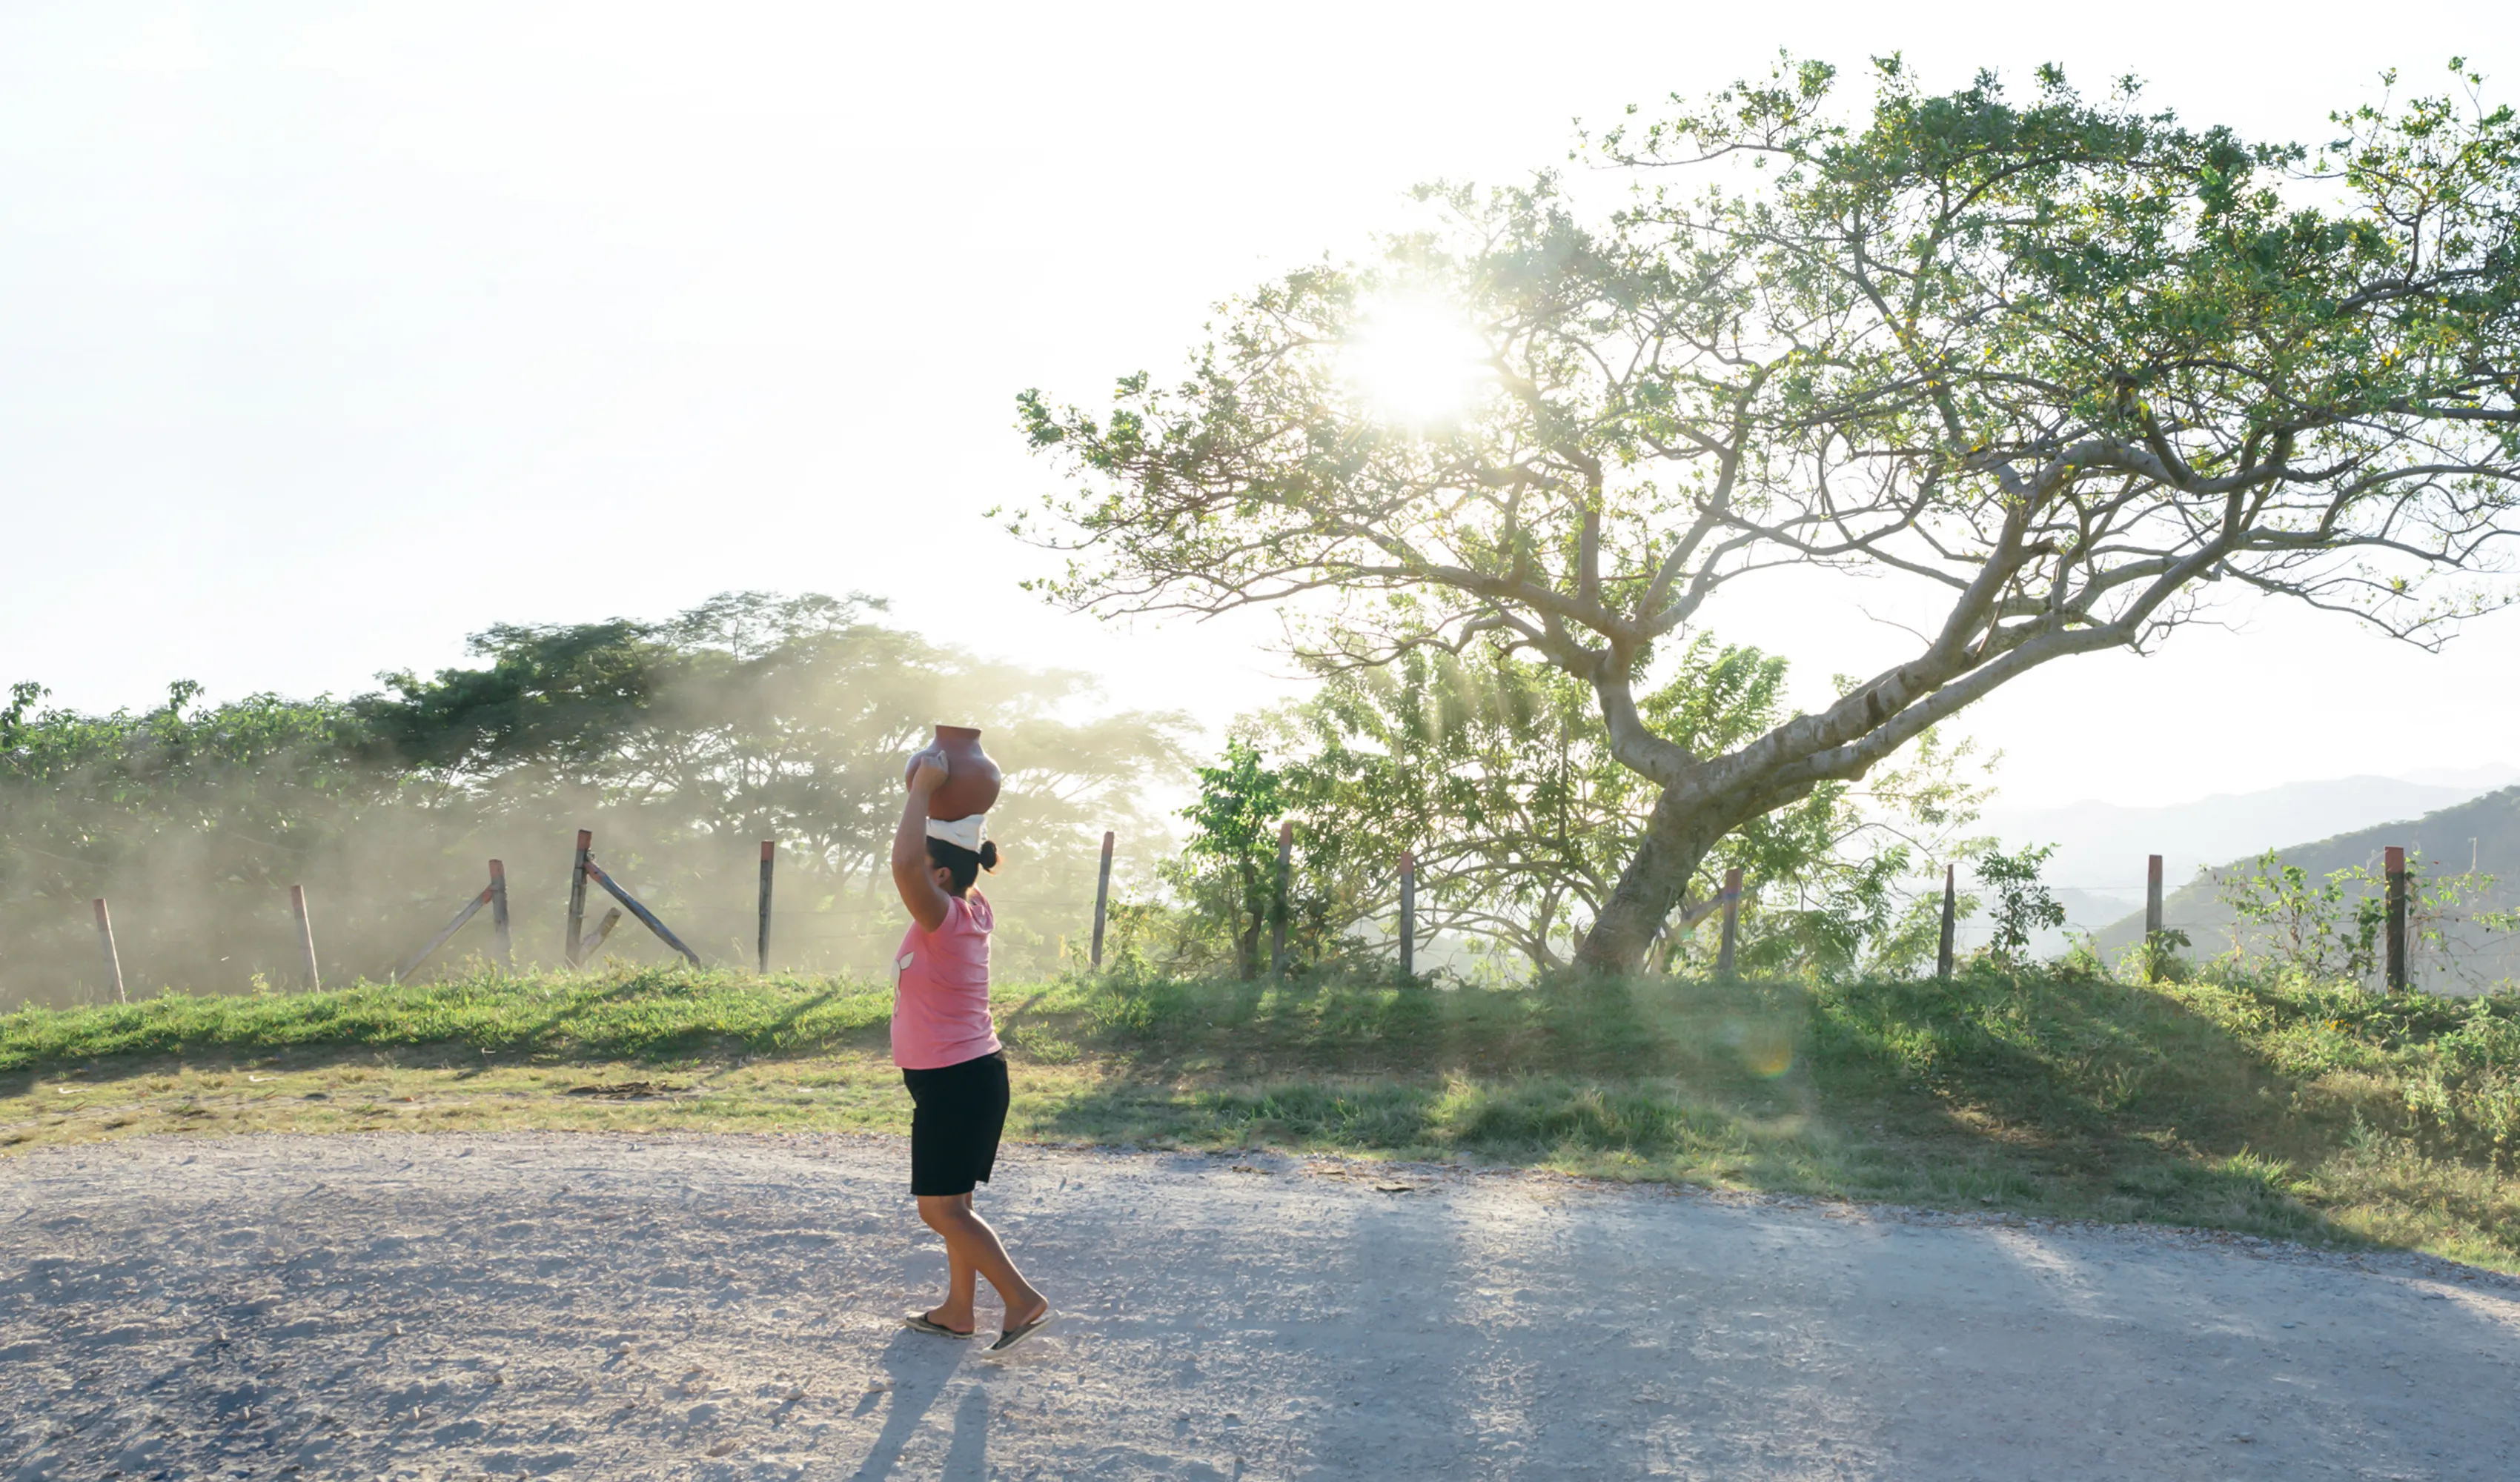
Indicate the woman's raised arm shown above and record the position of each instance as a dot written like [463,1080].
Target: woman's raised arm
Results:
[913,872]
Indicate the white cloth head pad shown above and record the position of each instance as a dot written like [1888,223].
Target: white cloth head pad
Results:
[963,832]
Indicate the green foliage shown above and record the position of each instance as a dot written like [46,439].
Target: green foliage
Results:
[2314,930]
[2023,903]
[1484,768]
[2157,958]
[2332,928]
[1228,870]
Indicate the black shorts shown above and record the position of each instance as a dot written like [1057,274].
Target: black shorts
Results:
[958,1113]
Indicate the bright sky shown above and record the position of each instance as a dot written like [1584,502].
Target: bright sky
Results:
[332,332]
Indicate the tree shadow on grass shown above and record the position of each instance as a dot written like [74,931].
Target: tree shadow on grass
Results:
[1333,1024]
[578,1031]
[2083,1100]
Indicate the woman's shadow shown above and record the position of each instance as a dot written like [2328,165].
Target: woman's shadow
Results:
[920,1367]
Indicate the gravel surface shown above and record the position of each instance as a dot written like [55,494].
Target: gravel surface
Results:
[616,1307]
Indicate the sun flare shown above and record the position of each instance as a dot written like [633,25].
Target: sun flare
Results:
[1416,359]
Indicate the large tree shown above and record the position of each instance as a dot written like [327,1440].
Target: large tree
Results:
[2050,366]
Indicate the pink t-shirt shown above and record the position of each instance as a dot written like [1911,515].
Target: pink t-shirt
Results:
[940,989]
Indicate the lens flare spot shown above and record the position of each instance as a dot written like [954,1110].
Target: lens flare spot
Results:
[1766,1049]
[1416,359]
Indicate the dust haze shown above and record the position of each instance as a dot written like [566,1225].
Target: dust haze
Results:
[682,743]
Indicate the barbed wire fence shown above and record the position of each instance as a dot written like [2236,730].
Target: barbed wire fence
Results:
[2388,920]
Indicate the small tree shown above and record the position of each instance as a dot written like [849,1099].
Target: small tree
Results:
[2320,930]
[1229,865]
[1228,873]
[2023,903]
[1471,763]
[2048,366]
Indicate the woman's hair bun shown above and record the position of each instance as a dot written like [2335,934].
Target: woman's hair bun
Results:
[989,855]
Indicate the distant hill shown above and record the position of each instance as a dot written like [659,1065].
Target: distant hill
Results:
[2467,779]
[2101,846]
[2482,831]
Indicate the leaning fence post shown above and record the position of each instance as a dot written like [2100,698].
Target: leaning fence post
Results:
[761,947]
[1731,923]
[2395,862]
[1278,912]
[499,917]
[577,894]
[1408,915]
[1101,898]
[602,933]
[305,936]
[113,959]
[1951,917]
[445,934]
[646,917]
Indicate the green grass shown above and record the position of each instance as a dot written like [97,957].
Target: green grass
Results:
[623,1016]
[2309,1112]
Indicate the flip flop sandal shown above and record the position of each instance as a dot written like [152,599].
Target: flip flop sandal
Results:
[917,1321]
[1014,1336]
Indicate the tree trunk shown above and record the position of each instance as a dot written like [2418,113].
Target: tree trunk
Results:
[1246,927]
[1535,940]
[1676,836]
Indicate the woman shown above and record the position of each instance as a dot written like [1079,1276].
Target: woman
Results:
[949,1055]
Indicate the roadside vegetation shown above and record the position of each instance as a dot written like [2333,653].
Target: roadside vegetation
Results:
[683,743]
[2236,1101]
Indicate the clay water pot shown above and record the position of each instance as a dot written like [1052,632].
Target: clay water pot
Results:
[970,779]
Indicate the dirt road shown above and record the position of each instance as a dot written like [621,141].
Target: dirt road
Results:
[608,1308]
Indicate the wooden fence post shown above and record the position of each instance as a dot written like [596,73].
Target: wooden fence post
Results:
[577,894]
[1278,898]
[1101,898]
[499,917]
[2395,861]
[1408,915]
[305,936]
[2152,950]
[761,948]
[1731,923]
[113,959]
[1950,920]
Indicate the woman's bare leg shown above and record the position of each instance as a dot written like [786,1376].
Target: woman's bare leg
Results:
[955,1311]
[972,1247]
